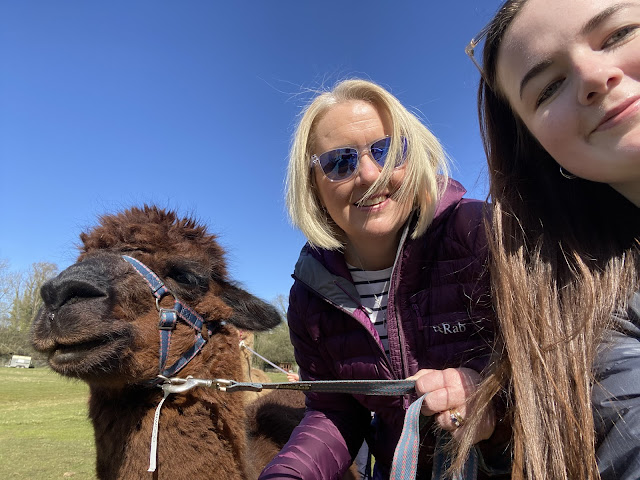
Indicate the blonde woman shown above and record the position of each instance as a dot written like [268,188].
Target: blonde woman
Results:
[391,284]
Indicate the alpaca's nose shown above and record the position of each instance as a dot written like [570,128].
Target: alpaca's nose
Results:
[77,283]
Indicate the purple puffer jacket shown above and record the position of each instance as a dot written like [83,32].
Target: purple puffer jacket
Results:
[439,315]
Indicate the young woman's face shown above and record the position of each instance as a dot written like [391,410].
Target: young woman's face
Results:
[571,71]
[378,221]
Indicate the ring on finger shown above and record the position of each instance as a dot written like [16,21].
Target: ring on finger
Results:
[456,418]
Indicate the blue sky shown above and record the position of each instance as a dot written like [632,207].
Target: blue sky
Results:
[191,105]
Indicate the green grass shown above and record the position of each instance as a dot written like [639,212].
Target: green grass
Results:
[277,377]
[44,430]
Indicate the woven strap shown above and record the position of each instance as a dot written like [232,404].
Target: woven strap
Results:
[405,458]
[354,387]
[362,387]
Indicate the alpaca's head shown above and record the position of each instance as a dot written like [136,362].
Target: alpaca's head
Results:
[99,321]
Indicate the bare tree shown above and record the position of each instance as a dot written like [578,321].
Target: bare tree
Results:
[275,344]
[281,302]
[19,303]
[9,284]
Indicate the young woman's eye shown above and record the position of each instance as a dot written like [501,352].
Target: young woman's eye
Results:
[547,92]
[620,35]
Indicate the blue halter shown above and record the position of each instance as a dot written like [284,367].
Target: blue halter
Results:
[169,319]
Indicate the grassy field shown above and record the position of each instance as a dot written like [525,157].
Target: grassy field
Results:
[44,430]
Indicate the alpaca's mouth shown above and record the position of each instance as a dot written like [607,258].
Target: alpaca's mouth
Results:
[64,353]
[90,352]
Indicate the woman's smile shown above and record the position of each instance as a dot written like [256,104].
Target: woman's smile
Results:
[371,225]
[620,114]
[571,71]
[372,202]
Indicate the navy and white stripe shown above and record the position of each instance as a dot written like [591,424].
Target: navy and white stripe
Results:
[373,288]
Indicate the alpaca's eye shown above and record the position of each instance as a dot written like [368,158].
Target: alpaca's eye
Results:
[183,277]
[187,278]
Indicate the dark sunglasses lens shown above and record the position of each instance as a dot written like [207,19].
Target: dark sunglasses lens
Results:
[380,149]
[339,164]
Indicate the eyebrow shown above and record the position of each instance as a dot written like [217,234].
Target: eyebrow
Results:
[537,68]
[592,24]
[587,28]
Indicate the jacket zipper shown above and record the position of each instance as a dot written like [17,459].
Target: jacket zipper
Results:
[343,310]
[406,400]
[399,332]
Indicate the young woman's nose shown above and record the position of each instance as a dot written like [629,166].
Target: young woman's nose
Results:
[596,76]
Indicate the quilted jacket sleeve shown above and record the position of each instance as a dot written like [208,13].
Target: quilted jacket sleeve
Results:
[616,398]
[332,431]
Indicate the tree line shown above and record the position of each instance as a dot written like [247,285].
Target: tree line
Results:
[20,301]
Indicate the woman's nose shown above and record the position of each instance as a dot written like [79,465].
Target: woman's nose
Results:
[368,169]
[596,76]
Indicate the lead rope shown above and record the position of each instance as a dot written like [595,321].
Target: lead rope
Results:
[354,387]
[244,345]
[405,457]
[153,454]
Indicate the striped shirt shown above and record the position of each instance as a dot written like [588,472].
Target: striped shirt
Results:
[373,288]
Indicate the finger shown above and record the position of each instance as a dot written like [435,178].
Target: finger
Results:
[447,389]
[450,420]
[420,373]
[432,380]
[429,381]
[485,430]
[442,400]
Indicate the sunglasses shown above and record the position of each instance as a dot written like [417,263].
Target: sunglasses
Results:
[476,41]
[342,163]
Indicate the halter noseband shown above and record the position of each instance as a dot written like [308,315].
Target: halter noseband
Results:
[169,319]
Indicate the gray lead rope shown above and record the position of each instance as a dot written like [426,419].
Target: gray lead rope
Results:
[354,387]
[405,460]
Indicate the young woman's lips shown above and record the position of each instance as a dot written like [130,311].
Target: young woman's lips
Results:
[619,114]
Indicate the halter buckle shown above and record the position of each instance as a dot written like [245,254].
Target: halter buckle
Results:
[168,319]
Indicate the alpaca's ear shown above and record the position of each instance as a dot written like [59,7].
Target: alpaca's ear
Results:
[249,312]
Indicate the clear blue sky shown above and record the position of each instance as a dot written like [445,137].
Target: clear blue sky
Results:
[191,105]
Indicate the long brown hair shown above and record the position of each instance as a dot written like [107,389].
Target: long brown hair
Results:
[564,257]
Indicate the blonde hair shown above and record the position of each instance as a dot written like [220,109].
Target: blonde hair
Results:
[424,159]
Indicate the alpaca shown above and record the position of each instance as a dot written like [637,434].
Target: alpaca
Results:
[99,323]
[271,419]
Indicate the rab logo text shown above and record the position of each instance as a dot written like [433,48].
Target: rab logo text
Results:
[447,328]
